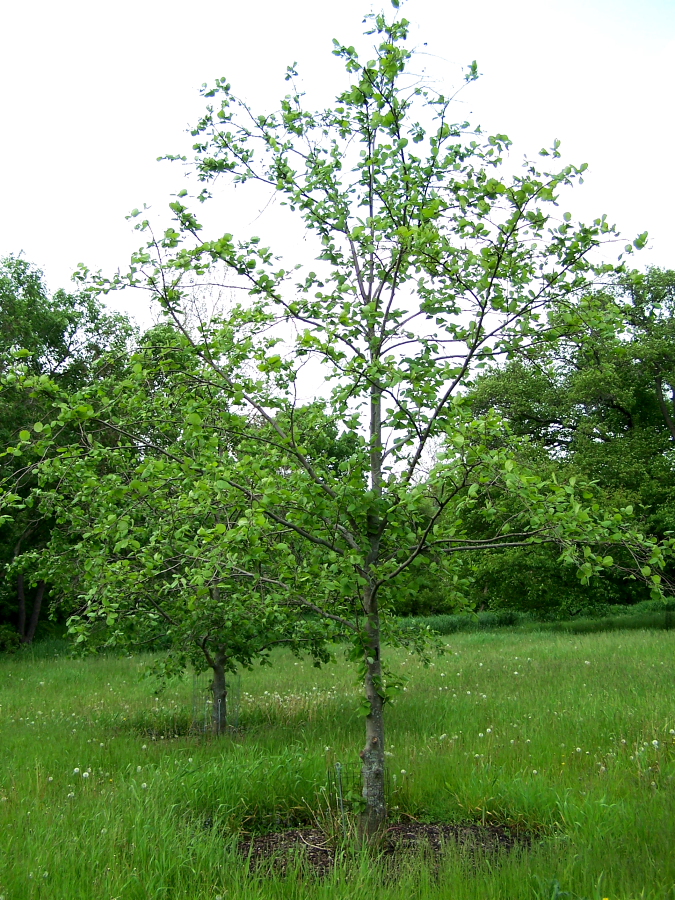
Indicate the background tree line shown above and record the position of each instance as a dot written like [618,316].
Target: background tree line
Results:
[600,404]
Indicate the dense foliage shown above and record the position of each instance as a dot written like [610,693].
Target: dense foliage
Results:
[60,339]
[600,404]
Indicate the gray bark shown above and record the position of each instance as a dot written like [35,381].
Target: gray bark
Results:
[219,692]
[374,815]
[372,770]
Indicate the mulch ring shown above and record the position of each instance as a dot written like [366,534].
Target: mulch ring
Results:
[317,853]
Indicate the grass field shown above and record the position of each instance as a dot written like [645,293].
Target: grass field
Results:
[568,737]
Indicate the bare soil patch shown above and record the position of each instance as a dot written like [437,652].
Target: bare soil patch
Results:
[317,852]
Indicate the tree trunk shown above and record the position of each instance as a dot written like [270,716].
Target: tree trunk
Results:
[219,692]
[35,615]
[374,815]
[21,591]
[27,636]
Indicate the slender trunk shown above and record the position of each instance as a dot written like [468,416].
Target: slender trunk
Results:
[35,615]
[219,692]
[372,770]
[21,591]
[27,636]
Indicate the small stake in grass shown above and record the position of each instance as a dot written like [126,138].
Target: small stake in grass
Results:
[338,771]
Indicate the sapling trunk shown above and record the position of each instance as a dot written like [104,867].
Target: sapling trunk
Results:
[219,692]
[374,815]
[35,615]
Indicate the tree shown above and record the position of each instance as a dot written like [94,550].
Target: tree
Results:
[432,263]
[598,404]
[57,337]
[144,524]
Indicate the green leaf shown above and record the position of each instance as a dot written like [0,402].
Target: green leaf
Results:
[363,708]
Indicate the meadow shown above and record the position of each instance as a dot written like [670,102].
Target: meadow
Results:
[106,792]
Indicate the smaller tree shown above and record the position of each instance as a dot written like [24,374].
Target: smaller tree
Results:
[160,550]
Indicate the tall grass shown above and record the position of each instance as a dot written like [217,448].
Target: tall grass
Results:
[568,738]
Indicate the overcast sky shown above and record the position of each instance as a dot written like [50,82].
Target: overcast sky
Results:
[92,93]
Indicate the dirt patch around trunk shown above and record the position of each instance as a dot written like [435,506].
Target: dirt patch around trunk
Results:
[317,853]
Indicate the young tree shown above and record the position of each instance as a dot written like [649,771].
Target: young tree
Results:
[144,525]
[432,262]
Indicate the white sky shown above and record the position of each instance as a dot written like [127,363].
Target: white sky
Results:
[91,93]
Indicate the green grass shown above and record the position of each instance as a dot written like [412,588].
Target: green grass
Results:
[564,749]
